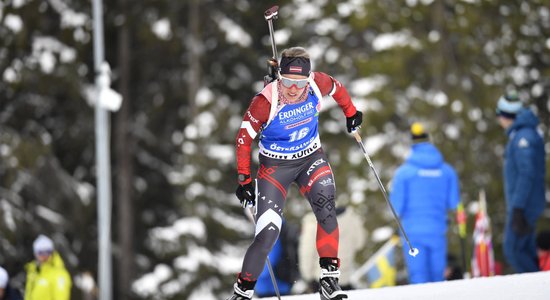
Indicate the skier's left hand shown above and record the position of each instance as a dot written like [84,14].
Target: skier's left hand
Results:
[354,121]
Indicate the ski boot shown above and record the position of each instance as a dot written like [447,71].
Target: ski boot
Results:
[329,287]
[242,289]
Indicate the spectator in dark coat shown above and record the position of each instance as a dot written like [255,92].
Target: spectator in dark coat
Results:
[7,292]
[524,171]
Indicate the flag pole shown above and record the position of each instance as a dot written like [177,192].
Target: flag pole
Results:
[461,222]
[483,259]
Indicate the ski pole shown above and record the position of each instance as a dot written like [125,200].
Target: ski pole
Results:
[270,15]
[250,216]
[412,251]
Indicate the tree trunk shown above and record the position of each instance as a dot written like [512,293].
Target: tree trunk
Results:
[124,169]
[194,48]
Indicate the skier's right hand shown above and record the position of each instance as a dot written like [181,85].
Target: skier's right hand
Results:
[246,194]
[273,66]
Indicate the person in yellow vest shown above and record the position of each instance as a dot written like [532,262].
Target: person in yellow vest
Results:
[47,277]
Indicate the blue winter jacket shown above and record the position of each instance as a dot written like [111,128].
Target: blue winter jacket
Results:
[423,190]
[524,167]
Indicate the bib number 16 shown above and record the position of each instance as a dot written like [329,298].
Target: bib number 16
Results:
[299,134]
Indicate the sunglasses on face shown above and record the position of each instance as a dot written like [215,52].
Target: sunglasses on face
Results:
[289,82]
[44,253]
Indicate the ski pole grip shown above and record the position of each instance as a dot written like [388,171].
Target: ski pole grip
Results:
[271,13]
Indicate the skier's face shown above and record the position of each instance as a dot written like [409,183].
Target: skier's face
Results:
[293,86]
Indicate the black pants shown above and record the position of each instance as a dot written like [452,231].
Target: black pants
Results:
[314,177]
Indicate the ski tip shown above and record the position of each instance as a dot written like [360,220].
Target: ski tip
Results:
[413,252]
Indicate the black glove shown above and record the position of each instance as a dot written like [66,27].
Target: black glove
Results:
[354,121]
[519,223]
[246,194]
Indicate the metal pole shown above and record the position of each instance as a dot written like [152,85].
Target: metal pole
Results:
[103,171]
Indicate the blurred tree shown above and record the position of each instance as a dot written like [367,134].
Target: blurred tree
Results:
[187,70]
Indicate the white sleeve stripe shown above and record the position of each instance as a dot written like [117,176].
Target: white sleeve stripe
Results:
[268,217]
[333,90]
[246,125]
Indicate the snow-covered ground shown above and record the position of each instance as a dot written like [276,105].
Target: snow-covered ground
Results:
[531,286]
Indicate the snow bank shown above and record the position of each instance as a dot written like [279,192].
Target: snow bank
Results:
[532,286]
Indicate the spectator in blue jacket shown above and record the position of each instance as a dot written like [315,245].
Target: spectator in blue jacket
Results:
[423,190]
[524,171]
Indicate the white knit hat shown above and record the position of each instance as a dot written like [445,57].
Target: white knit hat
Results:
[3,278]
[509,105]
[42,244]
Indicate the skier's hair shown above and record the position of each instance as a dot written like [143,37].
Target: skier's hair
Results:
[295,52]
